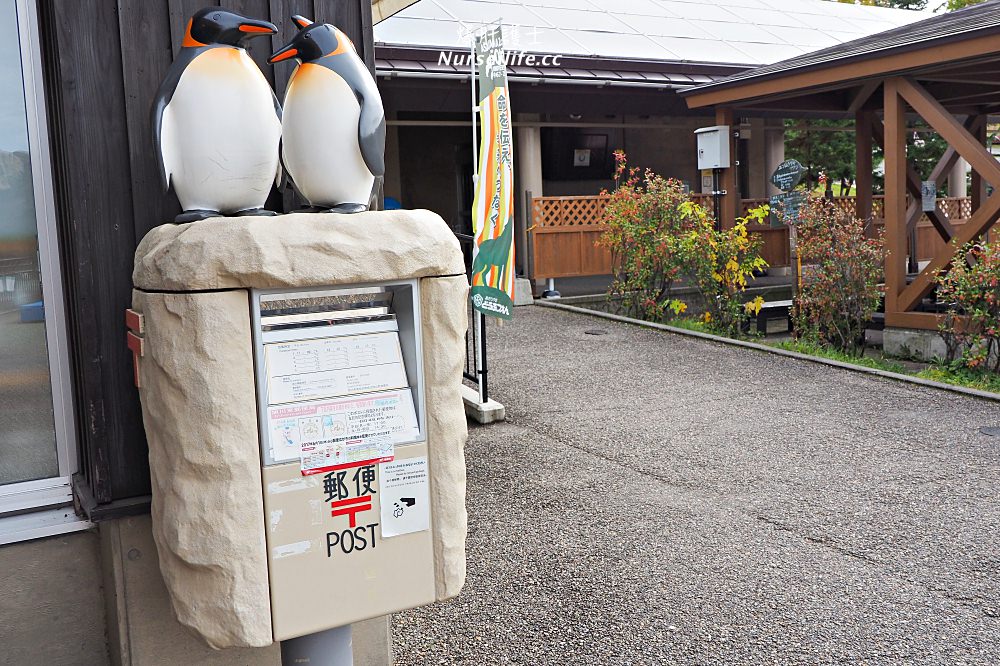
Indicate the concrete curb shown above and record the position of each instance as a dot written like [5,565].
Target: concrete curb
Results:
[487,412]
[975,393]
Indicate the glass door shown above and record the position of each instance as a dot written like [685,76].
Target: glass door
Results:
[37,451]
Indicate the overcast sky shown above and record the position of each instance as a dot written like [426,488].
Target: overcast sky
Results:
[13,132]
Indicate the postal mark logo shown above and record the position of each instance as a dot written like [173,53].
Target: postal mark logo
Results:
[349,495]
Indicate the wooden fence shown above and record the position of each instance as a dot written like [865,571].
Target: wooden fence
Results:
[564,232]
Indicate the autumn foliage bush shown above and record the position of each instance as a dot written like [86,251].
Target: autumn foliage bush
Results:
[658,237]
[971,294]
[841,270]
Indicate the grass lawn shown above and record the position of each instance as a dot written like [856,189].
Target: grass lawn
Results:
[981,380]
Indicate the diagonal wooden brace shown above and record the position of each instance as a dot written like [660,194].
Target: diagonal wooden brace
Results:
[968,147]
[937,217]
[951,130]
[980,221]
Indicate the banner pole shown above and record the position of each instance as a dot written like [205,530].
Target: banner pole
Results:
[477,317]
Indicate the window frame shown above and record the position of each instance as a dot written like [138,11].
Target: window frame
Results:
[19,498]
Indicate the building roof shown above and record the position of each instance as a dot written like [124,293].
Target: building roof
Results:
[732,32]
[962,24]
[955,56]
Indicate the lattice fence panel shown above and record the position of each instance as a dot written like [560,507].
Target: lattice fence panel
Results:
[582,211]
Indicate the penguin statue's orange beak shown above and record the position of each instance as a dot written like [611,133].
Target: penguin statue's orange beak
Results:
[284,53]
[253,26]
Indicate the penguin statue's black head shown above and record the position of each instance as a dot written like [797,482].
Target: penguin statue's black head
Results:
[312,42]
[214,25]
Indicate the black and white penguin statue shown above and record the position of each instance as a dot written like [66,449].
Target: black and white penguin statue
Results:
[216,121]
[333,124]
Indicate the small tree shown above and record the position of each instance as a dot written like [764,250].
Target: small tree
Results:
[840,276]
[644,217]
[658,236]
[971,292]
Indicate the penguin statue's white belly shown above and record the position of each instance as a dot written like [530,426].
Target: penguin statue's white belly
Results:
[221,133]
[320,138]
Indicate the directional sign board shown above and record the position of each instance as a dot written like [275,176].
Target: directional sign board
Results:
[788,174]
[785,207]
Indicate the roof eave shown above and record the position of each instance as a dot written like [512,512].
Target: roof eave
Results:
[847,70]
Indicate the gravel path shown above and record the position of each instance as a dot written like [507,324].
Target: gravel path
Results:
[654,499]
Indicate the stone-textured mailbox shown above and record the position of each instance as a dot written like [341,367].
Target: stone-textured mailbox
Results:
[300,391]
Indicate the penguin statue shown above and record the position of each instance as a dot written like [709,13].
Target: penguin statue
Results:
[216,121]
[333,124]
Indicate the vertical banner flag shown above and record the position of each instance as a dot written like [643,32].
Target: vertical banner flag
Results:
[493,206]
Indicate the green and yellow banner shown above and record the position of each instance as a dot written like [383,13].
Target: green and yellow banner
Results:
[493,205]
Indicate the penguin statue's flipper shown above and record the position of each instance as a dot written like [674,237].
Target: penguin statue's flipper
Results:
[164,149]
[371,125]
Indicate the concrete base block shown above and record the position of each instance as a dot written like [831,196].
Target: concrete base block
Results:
[142,628]
[781,271]
[522,292]
[913,343]
[481,412]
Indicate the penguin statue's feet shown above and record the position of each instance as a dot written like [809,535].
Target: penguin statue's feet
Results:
[347,208]
[263,212]
[311,209]
[196,214]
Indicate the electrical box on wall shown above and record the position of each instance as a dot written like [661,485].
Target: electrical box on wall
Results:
[713,147]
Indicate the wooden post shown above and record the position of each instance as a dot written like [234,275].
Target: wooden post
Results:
[978,184]
[895,195]
[729,181]
[863,167]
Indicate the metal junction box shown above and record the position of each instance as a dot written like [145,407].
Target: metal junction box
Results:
[342,422]
[713,147]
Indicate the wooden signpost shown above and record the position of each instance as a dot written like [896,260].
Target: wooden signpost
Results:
[786,178]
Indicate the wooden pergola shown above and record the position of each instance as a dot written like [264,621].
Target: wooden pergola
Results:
[944,70]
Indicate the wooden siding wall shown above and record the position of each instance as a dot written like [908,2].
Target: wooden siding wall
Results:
[103,62]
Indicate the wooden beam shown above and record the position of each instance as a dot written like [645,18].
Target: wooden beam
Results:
[868,89]
[978,224]
[981,78]
[951,130]
[927,321]
[863,166]
[728,179]
[950,95]
[936,216]
[812,102]
[940,171]
[894,144]
[846,73]
[978,193]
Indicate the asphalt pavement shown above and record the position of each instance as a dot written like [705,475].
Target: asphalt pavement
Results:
[657,499]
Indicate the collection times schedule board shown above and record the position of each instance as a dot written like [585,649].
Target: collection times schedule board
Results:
[337,401]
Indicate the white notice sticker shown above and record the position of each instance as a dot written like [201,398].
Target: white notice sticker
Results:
[405,498]
[343,431]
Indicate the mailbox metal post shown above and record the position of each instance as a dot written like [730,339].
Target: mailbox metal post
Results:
[332,647]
